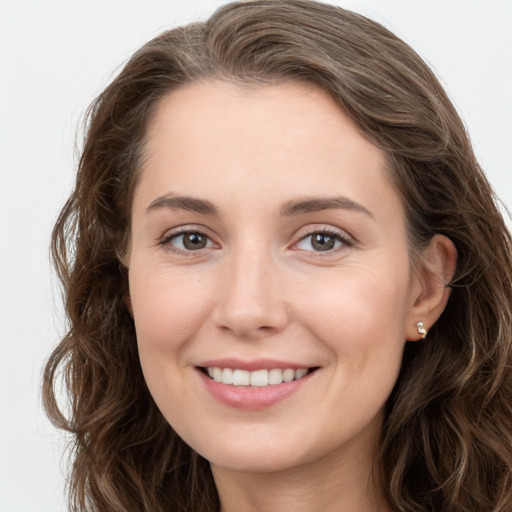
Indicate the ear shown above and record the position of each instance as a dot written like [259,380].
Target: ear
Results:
[430,292]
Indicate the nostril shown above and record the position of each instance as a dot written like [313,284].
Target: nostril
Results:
[248,330]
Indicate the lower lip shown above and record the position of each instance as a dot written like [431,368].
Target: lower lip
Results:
[252,398]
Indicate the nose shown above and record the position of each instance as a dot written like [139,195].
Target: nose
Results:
[250,301]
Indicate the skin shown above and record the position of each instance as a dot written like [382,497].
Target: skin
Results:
[260,289]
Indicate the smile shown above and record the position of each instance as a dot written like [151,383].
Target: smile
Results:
[254,385]
[258,378]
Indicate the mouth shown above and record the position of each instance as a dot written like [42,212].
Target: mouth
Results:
[258,378]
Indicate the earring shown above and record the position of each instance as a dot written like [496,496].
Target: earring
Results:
[421,329]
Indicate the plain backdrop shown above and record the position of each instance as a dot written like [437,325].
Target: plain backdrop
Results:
[55,56]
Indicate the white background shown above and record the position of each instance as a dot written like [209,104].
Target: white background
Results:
[55,56]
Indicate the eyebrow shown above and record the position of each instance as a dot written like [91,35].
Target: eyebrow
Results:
[317,204]
[192,204]
[290,208]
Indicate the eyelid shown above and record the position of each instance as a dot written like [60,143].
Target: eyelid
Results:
[341,235]
[184,228]
[345,238]
[166,238]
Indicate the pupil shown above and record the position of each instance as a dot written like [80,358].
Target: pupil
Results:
[194,241]
[322,242]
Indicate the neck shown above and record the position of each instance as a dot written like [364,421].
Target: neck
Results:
[335,484]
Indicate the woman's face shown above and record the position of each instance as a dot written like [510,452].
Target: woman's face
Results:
[268,243]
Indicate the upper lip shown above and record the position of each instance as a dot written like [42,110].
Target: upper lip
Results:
[255,364]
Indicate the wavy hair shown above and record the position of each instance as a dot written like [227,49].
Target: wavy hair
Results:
[447,437]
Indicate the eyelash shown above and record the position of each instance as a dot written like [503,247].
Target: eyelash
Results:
[336,235]
[166,241]
[344,240]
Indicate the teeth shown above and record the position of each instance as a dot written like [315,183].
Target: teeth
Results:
[275,376]
[301,372]
[241,378]
[258,378]
[227,376]
[288,375]
[217,375]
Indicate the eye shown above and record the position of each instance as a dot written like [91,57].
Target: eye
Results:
[322,241]
[187,241]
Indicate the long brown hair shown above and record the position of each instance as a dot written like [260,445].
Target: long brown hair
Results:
[447,438]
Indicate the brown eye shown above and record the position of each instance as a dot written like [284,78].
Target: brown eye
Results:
[194,241]
[190,241]
[322,242]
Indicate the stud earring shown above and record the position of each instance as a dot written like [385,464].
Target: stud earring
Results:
[421,329]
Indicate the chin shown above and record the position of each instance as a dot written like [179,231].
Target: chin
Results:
[252,453]
[255,463]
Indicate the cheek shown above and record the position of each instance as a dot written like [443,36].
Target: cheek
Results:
[361,322]
[167,308]
[359,316]
[364,305]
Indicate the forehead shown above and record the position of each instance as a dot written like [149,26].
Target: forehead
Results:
[239,109]
[289,139]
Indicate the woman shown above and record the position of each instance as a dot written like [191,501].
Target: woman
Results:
[288,283]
